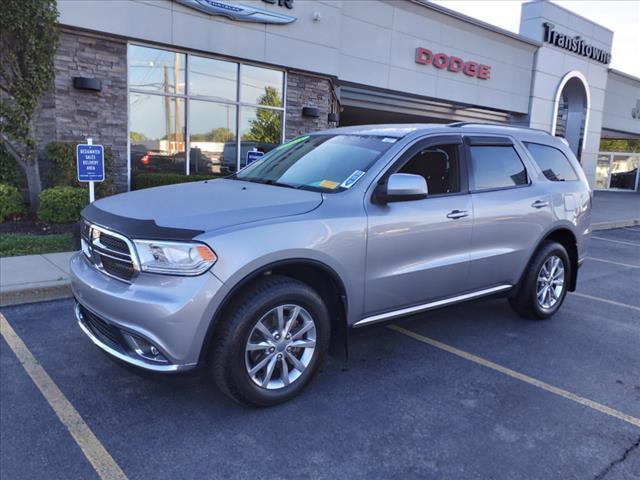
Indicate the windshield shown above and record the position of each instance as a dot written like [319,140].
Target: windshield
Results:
[326,163]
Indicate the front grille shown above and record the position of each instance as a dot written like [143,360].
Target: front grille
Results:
[117,268]
[108,251]
[101,328]
[114,243]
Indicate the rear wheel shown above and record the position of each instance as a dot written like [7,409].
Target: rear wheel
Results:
[271,342]
[543,287]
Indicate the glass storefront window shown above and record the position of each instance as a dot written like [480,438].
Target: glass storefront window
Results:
[213,78]
[212,137]
[624,170]
[156,70]
[602,172]
[260,131]
[156,133]
[190,106]
[261,86]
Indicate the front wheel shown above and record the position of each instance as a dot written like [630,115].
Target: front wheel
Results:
[543,287]
[271,342]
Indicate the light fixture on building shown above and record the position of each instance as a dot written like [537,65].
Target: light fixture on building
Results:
[332,117]
[87,83]
[312,112]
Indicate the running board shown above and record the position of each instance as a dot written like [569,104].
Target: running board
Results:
[429,306]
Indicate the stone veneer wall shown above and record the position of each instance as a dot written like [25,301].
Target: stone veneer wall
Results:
[68,114]
[305,90]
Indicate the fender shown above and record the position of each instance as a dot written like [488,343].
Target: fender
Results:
[204,349]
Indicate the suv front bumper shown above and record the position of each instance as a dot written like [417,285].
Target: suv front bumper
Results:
[157,322]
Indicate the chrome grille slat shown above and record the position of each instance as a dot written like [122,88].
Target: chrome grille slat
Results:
[110,252]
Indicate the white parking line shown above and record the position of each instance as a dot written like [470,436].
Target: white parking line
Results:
[98,456]
[605,300]
[616,241]
[612,262]
[520,376]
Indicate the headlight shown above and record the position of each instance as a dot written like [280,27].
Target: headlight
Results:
[174,258]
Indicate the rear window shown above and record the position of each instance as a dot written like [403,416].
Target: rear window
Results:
[553,163]
[496,166]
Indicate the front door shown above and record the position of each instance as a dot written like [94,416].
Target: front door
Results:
[418,250]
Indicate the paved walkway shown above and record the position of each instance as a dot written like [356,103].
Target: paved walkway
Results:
[34,278]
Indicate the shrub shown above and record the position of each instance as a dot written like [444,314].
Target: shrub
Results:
[62,204]
[10,201]
[64,171]
[147,180]
[10,172]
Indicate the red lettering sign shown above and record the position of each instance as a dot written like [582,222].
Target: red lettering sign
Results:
[454,64]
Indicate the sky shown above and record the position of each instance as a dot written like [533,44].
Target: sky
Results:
[621,16]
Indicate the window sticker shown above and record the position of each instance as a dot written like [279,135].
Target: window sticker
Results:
[389,140]
[352,179]
[328,184]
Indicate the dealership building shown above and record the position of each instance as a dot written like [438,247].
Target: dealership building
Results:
[220,83]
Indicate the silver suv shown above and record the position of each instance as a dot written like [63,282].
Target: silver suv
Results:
[255,274]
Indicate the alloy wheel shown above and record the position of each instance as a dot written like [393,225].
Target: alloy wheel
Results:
[280,347]
[550,282]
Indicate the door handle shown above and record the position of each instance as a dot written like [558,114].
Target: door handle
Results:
[457,214]
[540,204]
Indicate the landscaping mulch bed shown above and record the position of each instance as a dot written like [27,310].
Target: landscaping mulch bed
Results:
[31,224]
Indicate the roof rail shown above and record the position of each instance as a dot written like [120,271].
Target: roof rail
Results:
[464,124]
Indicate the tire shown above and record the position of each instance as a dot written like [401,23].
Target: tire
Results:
[261,303]
[526,301]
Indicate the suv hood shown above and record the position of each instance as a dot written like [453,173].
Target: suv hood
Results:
[202,206]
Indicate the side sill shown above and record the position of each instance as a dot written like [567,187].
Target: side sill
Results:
[429,306]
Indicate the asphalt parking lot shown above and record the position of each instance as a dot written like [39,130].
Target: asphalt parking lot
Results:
[468,392]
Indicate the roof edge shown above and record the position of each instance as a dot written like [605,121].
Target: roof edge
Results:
[476,22]
[624,74]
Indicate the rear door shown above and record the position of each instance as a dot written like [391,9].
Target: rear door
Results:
[418,250]
[510,210]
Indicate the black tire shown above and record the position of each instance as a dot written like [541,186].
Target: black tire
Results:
[227,362]
[525,300]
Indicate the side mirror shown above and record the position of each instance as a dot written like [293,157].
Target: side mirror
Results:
[402,187]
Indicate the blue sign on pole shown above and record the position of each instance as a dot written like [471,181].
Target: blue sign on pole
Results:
[253,155]
[90,163]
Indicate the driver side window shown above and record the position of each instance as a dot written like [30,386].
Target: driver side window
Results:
[440,167]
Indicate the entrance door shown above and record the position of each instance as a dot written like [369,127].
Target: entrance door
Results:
[418,250]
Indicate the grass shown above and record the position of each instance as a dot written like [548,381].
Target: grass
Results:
[12,244]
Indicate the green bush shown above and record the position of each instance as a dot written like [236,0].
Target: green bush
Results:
[10,201]
[64,171]
[10,172]
[147,180]
[62,204]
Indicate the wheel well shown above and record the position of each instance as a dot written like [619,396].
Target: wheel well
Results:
[318,276]
[568,240]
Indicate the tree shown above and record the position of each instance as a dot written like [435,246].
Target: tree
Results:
[28,41]
[267,126]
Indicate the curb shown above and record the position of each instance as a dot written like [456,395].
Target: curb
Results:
[20,296]
[615,224]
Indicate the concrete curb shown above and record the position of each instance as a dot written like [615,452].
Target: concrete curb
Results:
[35,293]
[632,222]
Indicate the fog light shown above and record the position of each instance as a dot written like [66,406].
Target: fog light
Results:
[145,349]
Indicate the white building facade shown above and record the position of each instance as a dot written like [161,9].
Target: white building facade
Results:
[192,79]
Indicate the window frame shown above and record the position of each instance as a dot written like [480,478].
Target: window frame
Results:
[493,141]
[533,158]
[420,144]
[186,96]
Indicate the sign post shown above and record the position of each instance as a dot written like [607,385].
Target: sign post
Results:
[90,160]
